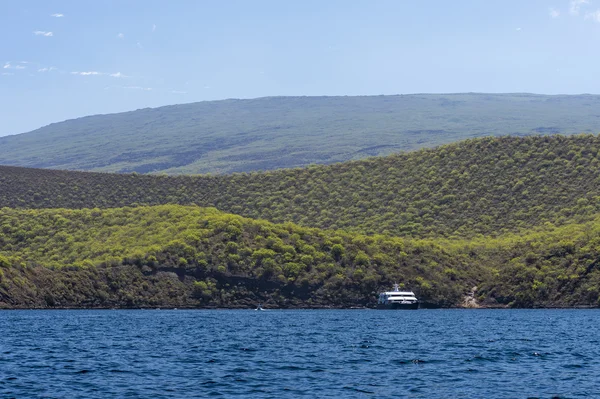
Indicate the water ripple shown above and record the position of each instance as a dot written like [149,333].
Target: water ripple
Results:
[288,354]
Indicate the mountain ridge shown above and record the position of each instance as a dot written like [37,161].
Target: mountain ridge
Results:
[293,96]
[241,135]
[480,186]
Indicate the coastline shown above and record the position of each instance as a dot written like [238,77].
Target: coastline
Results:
[574,307]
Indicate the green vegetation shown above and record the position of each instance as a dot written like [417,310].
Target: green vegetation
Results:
[283,132]
[518,218]
[180,256]
[190,256]
[486,186]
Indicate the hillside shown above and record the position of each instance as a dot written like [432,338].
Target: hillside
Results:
[486,186]
[195,257]
[284,132]
[190,256]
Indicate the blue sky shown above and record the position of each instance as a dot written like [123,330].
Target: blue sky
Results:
[67,59]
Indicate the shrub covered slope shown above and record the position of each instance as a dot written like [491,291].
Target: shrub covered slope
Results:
[190,256]
[181,256]
[284,132]
[486,186]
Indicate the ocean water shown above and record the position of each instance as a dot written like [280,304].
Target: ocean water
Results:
[300,353]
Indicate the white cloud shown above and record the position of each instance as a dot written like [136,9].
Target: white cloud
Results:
[595,16]
[57,15]
[8,65]
[7,73]
[178,92]
[96,73]
[518,29]
[154,28]
[43,33]
[553,12]
[138,88]
[120,36]
[88,73]
[139,45]
[575,6]
[46,69]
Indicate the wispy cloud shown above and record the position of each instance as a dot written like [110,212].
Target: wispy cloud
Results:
[120,36]
[178,92]
[46,69]
[57,15]
[553,12]
[139,45]
[137,88]
[43,33]
[96,73]
[595,15]
[8,65]
[7,73]
[154,28]
[518,29]
[575,6]
[87,73]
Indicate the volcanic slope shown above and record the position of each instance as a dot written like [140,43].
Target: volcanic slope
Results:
[486,186]
[284,132]
[190,256]
[186,256]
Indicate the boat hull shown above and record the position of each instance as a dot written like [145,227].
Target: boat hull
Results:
[398,306]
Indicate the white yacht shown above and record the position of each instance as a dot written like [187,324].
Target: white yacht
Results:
[397,299]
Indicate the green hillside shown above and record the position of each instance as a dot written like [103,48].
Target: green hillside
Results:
[516,217]
[190,256]
[195,257]
[283,132]
[486,186]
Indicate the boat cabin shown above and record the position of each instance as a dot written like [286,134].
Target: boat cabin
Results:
[397,296]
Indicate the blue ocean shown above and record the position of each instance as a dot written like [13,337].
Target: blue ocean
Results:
[300,353]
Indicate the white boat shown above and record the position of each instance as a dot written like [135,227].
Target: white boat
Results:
[259,307]
[397,299]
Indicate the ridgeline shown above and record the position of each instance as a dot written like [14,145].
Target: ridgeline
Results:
[486,186]
[285,132]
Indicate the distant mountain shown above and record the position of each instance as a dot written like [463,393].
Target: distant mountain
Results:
[283,132]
